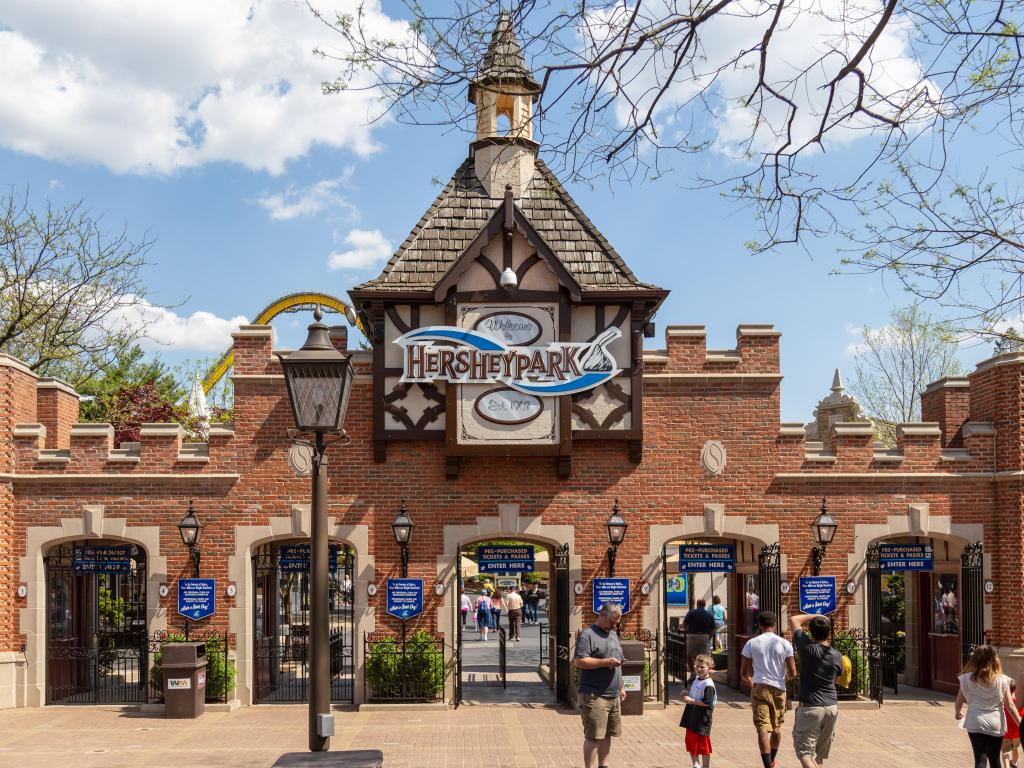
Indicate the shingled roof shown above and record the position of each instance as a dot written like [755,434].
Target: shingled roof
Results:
[463,208]
[504,62]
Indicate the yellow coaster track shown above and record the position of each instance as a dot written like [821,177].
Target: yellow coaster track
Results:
[294,302]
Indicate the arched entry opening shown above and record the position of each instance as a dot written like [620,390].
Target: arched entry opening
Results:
[97,649]
[509,616]
[925,610]
[736,578]
[281,616]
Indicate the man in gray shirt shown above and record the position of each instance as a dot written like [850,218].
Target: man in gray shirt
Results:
[599,660]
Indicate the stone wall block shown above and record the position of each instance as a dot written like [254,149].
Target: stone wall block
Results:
[90,446]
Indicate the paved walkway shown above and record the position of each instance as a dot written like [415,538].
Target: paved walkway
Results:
[480,679]
[470,737]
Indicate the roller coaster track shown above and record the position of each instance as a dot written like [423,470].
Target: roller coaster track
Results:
[293,302]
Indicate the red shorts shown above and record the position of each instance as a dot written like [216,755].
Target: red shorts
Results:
[697,744]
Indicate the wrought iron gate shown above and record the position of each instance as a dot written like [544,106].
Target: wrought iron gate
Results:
[972,598]
[769,576]
[281,632]
[663,669]
[457,650]
[563,601]
[873,567]
[97,650]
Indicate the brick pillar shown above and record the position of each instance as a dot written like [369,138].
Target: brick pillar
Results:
[57,408]
[947,402]
[17,406]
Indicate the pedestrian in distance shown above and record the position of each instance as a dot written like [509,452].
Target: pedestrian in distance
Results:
[700,700]
[767,662]
[465,607]
[600,689]
[530,601]
[820,665]
[514,606]
[1011,740]
[721,616]
[496,604]
[699,625]
[986,692]
[483,614]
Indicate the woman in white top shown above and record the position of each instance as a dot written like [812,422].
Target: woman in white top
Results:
[986,691]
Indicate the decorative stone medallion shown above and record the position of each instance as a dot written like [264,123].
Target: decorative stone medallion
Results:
[712,457]
[300,459]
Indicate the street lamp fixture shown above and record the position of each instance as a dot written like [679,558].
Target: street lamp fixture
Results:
[824,527]
[319,381]
[191,531]
[402,527]
[616,526]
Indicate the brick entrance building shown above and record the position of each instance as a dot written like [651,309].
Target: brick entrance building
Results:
[529,425]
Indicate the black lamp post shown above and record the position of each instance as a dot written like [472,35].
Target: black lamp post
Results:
[402,527]
[616,526]
[191,531]
[319,380]
[824,527]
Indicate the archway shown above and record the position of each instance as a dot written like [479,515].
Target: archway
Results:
[505,654]
[565,567]
[281,616]
[96,634]
[924,610]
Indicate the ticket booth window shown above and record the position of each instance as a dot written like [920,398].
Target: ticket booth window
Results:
[945,604]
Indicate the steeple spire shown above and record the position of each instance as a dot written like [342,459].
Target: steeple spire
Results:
[504,91]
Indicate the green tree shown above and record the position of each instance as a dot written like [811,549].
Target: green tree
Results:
[71,294]
[895,364]
[129,369]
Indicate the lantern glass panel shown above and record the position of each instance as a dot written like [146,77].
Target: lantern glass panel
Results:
[319,394]
[825,528]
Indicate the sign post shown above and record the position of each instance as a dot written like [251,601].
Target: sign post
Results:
[611,591]
[197,599]
[707,557]
[818,594]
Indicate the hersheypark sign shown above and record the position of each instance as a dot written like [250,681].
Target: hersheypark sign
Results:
[462,356]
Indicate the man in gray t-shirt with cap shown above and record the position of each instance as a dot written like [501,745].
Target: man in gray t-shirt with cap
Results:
[600,693]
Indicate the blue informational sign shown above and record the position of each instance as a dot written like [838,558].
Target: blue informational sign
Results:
[817,594]
[197,598]
[906,557]
[405,597]
[86,558]
[514,558]
[611,591]
[707,557]
[676,590]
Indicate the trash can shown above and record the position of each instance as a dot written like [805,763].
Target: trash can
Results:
[184,671]
[633,677]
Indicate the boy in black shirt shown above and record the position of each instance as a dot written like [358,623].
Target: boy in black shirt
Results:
[819,664]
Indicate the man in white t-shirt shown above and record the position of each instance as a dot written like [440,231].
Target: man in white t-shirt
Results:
[766,665]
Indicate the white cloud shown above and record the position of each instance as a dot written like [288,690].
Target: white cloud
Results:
[367,248]
[200,331]
[858,347]
[56,184]
[305,201]
[152,86]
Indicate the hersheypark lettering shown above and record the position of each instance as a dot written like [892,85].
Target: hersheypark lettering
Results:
[461,356]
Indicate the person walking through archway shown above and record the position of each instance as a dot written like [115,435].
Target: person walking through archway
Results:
[819,664]
[600,689]
[767,663]
[721,616]
[514,606]
[986,692]
[483,614]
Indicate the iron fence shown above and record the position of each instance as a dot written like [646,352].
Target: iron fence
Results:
[406,669]
[545,639]
[652,682]
[220,669]
[681,647]
[503,657]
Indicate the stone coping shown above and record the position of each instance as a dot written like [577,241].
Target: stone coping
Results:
[52,382]
[10,361]
[978,428]
[948,382]
[919,429]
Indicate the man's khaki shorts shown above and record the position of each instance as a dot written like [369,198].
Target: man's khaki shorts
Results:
[1010,744]
[601,717]
[769,706]
[813,731]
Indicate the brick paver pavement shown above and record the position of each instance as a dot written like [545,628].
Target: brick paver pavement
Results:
[470,737]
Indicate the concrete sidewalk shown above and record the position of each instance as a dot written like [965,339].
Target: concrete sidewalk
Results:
[471,737]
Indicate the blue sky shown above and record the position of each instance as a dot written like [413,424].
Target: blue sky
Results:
[256,188]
